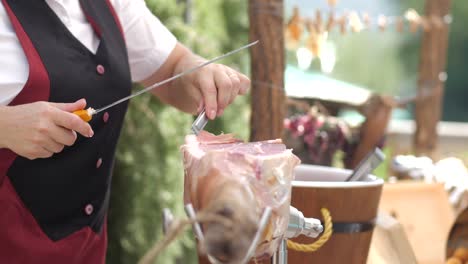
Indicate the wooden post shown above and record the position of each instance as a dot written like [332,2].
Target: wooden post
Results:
[267,68]
[431,80]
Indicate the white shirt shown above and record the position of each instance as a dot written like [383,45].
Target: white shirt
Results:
[149,42]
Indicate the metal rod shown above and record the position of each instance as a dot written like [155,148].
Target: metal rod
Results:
[261,227]
[281,256]
[196,226]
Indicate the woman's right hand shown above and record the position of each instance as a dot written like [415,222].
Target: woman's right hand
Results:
[40,129]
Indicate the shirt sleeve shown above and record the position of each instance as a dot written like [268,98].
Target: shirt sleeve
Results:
[149,42]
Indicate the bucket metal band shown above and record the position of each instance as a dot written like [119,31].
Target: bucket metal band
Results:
[353,227]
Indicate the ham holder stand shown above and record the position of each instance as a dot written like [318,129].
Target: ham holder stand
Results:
[298,225]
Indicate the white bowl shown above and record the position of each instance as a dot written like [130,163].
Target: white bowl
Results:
[328,177]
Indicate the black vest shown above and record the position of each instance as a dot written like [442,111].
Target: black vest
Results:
[70,190]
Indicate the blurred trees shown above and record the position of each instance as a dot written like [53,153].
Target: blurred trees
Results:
[148,174]
[455,107]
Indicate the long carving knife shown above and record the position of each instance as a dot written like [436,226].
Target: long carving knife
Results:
[87,114]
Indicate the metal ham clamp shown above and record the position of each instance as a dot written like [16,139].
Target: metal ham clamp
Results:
[298,225]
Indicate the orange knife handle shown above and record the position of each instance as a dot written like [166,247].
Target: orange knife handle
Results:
[83,114]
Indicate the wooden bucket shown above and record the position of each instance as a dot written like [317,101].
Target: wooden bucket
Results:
[353,207]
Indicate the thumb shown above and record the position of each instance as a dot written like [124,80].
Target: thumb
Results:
[70,107]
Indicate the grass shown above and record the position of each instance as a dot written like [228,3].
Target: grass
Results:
[382,170]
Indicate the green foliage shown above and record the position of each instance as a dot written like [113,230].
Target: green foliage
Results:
[148,177]
[148,174]
[382,170]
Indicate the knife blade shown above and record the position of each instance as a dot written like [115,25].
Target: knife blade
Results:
[199,123]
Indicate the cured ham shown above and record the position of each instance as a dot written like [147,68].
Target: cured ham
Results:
[238,180]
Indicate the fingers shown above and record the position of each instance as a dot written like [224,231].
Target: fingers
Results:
[65,119]
[228,83]
[39,152]
[72,122]
[40,129]
[197,97]
[53,138]
[209,92]
[42,147]
[236,84]
[70,107]
[51,146]
[219,85]
[229,90]
[225,87]
[244,83]
[63,136]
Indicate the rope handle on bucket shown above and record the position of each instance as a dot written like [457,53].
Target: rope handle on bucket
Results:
[321,241]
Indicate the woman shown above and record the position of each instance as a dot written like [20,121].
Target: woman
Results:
[59,56]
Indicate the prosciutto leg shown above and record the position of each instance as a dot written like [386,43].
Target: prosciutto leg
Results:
[238,180]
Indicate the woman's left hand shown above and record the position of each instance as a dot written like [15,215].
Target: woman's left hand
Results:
[213,87]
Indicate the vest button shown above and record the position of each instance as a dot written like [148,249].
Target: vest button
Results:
[100,69]
[98,163]
[105,117]
[89,209]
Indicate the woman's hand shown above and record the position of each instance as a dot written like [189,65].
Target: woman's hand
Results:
[40,129]
[212,87]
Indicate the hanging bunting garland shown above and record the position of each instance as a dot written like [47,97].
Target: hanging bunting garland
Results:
[318,28]
[355,22]
[294,30]
[367,20]
[316,38]
[332,3]
[315,30]
[342,23]
[331,21]
[414,19]
[382,22]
